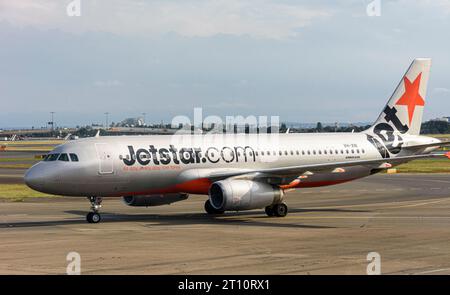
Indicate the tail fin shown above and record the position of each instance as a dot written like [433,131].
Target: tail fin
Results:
[403,112]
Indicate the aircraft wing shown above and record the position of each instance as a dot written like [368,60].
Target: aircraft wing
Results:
[290,171]
[419,146]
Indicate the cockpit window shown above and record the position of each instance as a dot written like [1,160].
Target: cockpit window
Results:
[63,157]
[74,157]
[51,157]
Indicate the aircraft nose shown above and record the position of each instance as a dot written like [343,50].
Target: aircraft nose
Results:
[34,178]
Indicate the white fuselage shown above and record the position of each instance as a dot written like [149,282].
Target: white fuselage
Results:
[139,165]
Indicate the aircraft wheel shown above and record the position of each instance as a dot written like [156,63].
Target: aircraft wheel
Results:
[93,217]
[210,209]
[269,211]
[280,210]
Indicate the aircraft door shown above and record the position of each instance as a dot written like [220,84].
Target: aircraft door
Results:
[105,156]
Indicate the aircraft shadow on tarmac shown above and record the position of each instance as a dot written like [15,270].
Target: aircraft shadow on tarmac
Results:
[183,219]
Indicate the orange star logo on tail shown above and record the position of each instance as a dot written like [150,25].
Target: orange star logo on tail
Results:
[411,98]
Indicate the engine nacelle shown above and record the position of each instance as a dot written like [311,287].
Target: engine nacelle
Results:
[240,194]
[153,200]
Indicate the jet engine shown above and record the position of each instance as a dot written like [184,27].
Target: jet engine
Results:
[153,200]
[239,195]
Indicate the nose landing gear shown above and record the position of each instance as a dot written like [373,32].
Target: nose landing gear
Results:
[96,204]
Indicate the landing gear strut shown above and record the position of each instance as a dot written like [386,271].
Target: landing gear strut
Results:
[96,204]
[210,209]
[278,210]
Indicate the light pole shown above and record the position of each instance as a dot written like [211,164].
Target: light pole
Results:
[106,115]
[53,122]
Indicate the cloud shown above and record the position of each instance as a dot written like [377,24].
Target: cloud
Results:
[108,83]
[190,18]
[441,90]
[234,105]
[443,5]
[122,49]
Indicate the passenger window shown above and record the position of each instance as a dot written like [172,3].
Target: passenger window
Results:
[262,153]
[292,153]
[325,152]
[280,153]
[73,157]
[309,153]
[63,157]
[52,157]
[320,152]
[363,151]
[303,152]
[314,152]
[297,152]
[285,153]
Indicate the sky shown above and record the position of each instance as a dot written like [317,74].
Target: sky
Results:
[304,61]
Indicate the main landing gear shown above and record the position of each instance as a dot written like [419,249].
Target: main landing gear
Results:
[96,204]
[211,210]
[278,210]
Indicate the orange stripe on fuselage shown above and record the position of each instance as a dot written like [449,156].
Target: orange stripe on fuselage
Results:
[196,186]
[201,186]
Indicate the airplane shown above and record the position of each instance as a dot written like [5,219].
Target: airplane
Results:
[237,171]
